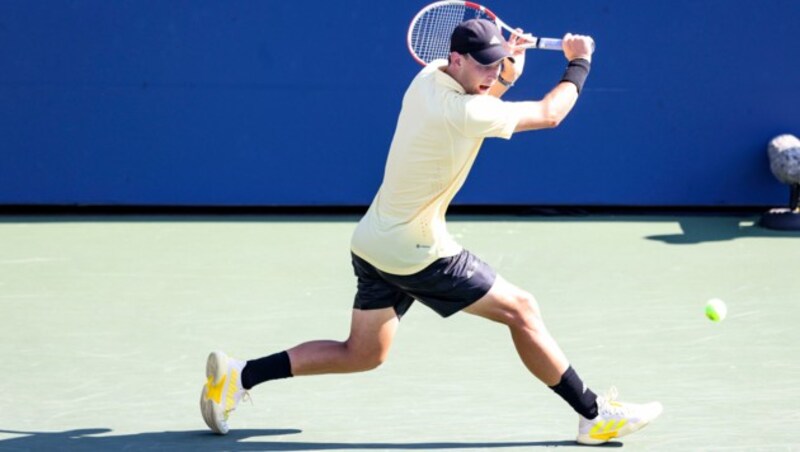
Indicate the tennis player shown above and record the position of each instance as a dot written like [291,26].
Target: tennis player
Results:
[402,252]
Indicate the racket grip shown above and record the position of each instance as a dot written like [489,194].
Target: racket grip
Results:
[554,44]
[549,44]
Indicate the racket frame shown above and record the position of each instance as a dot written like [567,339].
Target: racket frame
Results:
[533,41]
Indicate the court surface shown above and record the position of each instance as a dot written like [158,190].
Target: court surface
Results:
[107,322]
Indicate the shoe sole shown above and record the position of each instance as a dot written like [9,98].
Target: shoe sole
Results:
[210,410]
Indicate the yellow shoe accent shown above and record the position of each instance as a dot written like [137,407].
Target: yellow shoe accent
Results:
[604,431]
[230,400]
[214,391]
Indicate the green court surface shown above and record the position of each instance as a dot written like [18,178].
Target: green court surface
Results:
[107,322]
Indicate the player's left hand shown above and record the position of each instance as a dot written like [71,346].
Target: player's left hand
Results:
[513,70]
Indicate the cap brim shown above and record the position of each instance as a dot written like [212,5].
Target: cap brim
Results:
[491,54]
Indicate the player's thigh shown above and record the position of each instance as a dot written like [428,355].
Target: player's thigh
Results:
[372,332]
[505,303]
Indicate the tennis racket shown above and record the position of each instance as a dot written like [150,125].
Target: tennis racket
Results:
[430,30]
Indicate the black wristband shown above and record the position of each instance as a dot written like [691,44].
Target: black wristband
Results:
[576,73]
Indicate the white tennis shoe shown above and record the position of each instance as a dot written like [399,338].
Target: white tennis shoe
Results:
[615,419]
[222,392]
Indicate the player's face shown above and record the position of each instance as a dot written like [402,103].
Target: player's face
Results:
[478,78]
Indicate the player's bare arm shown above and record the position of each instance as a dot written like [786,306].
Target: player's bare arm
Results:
[556,105]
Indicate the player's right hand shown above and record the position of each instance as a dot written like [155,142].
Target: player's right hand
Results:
[578,46]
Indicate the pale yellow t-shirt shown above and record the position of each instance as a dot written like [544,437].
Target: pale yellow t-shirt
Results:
[439,132]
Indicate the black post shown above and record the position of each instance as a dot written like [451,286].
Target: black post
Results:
[794,198]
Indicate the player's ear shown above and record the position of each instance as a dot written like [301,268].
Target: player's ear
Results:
[455,59]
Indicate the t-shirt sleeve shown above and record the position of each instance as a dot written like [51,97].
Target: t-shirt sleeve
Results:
[483,116]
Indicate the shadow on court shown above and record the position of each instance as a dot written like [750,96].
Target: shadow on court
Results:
[236,440]
[719,229]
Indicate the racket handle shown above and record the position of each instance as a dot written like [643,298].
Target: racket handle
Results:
[549,44]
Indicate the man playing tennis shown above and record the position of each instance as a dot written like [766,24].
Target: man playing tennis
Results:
[401,250]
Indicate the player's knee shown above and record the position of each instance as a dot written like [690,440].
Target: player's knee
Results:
[372,360]
[367,358]
[525,311]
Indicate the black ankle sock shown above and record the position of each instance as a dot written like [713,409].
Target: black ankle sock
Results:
[272,367]
[574,392]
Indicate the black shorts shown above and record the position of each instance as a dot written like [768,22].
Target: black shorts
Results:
[447,286]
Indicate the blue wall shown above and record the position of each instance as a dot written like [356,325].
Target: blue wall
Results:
[274,103]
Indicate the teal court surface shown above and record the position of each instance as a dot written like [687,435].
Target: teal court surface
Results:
[107,322]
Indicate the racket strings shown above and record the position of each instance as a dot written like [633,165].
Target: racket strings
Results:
[430,36]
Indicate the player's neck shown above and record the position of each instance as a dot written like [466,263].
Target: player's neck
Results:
[449,70]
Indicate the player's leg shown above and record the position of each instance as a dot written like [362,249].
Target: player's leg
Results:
[600,418]
[507,304]
[377,309]
[371,335]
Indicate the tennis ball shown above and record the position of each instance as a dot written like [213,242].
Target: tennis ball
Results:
[716,310]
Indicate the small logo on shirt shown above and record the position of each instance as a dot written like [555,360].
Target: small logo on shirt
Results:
[423,246]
